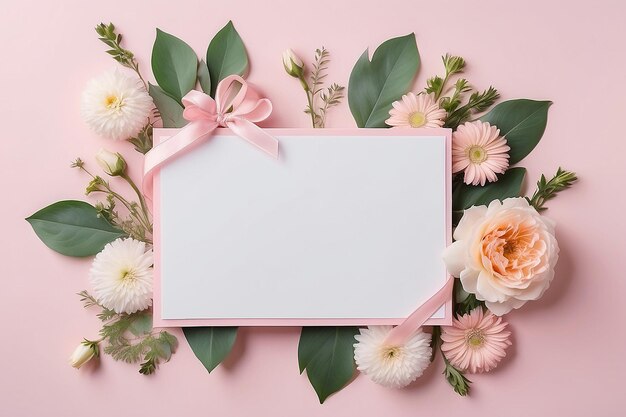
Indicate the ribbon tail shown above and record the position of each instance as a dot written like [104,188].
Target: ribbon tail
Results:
[401,333]
[255,135]
[191,134]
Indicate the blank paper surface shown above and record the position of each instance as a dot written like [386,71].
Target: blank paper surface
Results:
[342,226]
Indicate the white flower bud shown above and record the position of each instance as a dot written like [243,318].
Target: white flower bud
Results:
[83,354]
[293,64]
[111,163]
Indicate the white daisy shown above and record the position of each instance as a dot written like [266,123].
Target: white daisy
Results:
[391,366]
[116,106]
[121,276]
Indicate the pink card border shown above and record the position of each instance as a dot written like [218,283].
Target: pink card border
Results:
[160,322]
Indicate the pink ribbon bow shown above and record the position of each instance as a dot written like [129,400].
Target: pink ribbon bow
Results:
[238,110]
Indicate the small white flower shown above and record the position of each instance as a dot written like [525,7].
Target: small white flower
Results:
[111,163]
[83,353]
[116,106]
[121,276]
[391,366]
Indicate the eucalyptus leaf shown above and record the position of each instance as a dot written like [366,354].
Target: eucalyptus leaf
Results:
[211,345]
[522,122]
[204,78]
[226,55]
[508,185]
[375,84]
[73,228]
[174,65]
[327,354]
[170,110]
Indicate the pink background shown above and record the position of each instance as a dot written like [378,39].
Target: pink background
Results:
[568,353]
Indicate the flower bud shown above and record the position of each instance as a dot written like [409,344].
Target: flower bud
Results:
[293,64]
[111,163]
[83,353]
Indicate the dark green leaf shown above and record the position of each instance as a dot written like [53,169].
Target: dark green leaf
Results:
[73,228]
[170,110]
[508,185]
[204,78]
[211,344]
[327,354]
[174,65]
[375,84]
[522,122]
[226,55]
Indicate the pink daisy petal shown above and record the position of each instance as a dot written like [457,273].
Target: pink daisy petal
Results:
[476,342]
[479,151]
[416,111]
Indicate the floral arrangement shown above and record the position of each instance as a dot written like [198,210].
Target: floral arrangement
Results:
[504,251]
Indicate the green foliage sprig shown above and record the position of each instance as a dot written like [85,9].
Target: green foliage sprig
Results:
[457,380]
[130,338]
[138,224]
[113,40]
[453,65]
[548,189]
[314,88]
[477,102]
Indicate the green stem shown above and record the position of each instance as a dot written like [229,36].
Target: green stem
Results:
[142,200]
[441,90]
[136,69]
[129,206]
[309,97]
[144,221]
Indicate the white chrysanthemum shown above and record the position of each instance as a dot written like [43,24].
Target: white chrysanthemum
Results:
[391,366]
[116,106]
[121,276]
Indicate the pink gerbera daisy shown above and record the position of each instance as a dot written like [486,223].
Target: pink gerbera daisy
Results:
[416,111]
[476,342]
[480,151]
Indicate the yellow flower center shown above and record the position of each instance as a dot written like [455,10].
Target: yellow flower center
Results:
[477,154]
[128,275]
[391,352]
[113,102]
[417,119]
[475,338]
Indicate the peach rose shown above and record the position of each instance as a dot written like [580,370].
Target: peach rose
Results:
[504,254]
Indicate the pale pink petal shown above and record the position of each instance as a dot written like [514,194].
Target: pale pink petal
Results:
[479,151]
[476,342]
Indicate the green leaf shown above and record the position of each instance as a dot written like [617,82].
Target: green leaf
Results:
[226,55]
[508,185]
[174,65]
[73,228]
[522,122]
[141,324]
[211,344]
[457,380]
[327,354]
[204,78]
[375,84]
[170,110]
